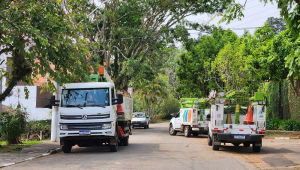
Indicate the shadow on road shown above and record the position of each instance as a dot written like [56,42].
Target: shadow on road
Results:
[246,150]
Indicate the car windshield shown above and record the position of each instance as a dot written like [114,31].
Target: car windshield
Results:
[139,115]
[85,97]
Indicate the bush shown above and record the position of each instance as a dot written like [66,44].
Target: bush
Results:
[273,124]
[287,125]
[13,123]
[35,127]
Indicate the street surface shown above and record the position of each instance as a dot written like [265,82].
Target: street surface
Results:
[154,148]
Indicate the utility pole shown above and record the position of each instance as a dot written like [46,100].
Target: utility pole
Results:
[54,121]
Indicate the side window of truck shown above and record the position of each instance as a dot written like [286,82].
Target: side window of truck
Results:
[113,93]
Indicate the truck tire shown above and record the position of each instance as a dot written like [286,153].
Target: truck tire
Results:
[145,127]
[187,131]
[255,148]
[66,148]
[215,147]
[114,148]
[125,141]
[172,131]
[236,144]
[209,142]
[246,144]
[148,126]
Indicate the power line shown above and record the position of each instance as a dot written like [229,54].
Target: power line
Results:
[256,19]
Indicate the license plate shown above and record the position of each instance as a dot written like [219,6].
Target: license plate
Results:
[136,124]
[239,136]
[84,132]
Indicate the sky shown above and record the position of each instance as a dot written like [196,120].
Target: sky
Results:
[255,15]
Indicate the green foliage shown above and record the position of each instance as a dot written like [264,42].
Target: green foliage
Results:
[196,71]
[169,106]
[273,124]
[38,34]
[287,125]
[35,127]
[13,123]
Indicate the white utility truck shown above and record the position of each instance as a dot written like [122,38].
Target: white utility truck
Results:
[90,114]
[191,119]
[238,128]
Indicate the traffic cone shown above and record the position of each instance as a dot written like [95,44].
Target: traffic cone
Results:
[249,117]
[120,109]
[228,120]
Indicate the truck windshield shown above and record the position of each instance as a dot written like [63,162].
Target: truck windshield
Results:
[139,115]
[85,97]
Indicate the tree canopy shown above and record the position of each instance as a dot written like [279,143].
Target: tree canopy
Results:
[38,34]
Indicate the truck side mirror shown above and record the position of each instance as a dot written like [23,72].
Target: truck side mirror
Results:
[119,99]
[52,103]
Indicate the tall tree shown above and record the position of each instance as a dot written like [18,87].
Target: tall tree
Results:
[133,29]
[37,34]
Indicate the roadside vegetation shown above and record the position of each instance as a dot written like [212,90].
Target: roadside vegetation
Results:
[138,49]
[16,148]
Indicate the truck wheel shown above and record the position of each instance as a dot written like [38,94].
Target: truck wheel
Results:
[66,148]
[114,148]
[246,144]
[125,141]
[236,144]
[145,127]
[209,142]
[215,147]
[148,126]
[255,148]
[171,130]
[187,131]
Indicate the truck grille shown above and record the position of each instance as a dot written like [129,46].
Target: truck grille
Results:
[75,117]
[84,126]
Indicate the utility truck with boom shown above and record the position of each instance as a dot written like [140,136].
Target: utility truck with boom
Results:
[91,114]
[191,119]
[229,125]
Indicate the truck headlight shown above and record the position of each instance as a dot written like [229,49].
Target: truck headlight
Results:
[106,126]
[63,127]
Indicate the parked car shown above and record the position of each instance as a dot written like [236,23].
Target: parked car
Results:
[139,119]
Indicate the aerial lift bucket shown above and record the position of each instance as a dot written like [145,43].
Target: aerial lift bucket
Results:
[249,117]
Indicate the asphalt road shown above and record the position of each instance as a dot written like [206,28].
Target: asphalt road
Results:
[154,148]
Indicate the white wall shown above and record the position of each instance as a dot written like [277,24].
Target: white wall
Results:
[30,104]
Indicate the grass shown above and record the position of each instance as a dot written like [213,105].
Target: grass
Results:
[16,148]
[162,121]
[291,134]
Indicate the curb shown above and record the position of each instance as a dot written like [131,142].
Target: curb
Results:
[50,152]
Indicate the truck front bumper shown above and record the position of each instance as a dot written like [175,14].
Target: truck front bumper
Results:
[138,124]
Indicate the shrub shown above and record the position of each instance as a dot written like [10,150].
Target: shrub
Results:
[273,124]
[35,127]
[13,122]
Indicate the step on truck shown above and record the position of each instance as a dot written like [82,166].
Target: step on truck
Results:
[92,114]
[191,119]
[229,125]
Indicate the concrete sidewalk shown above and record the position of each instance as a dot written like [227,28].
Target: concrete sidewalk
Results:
[35,151]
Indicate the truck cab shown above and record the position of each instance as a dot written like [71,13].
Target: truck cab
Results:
[91,114]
